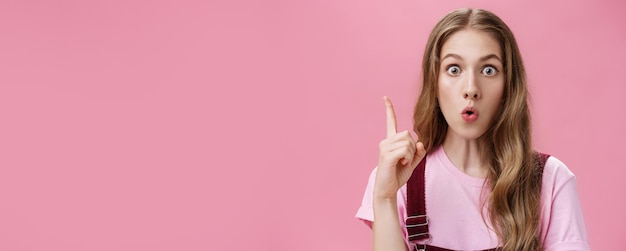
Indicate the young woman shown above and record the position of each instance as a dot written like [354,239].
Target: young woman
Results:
[483,186]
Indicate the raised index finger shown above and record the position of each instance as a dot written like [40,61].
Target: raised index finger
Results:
[391,117]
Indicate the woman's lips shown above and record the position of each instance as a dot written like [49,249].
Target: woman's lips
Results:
[469,114]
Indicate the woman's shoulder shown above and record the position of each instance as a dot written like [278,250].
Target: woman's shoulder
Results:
[563,226]
[556,175]
[554,167]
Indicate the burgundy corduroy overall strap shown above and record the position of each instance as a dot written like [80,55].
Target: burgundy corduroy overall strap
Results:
[417,220]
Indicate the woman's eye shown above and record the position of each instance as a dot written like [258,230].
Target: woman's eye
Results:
[453,70]
[489,71]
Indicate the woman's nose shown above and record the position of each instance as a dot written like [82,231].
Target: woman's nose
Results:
[471,89]
[473,95]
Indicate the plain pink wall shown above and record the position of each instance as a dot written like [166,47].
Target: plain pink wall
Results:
[253,125]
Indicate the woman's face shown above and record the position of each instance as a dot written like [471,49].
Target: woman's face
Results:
[471,83]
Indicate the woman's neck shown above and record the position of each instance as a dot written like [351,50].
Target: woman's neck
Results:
[465,155]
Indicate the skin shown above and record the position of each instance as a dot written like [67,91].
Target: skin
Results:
[471,74]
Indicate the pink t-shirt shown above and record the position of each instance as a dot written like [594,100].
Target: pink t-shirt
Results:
[453,206]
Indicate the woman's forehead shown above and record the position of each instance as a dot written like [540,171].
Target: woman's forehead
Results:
[469,44]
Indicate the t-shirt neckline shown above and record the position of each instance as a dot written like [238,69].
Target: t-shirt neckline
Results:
[442,157]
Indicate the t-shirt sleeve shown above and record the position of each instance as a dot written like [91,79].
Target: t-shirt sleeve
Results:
[366,210]
[563,225]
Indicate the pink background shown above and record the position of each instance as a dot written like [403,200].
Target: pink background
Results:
[253,125]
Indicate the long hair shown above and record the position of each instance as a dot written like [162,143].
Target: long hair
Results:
[515,183]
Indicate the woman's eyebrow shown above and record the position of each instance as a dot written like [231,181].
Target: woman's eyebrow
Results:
[451,55]
[484,58]
[490,56]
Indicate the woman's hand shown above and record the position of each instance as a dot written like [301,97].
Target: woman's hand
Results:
[399,155]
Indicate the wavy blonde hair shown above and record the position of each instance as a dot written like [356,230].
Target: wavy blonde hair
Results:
[515,183]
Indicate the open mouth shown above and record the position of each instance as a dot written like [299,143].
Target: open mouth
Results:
[469,110]
[470,114]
